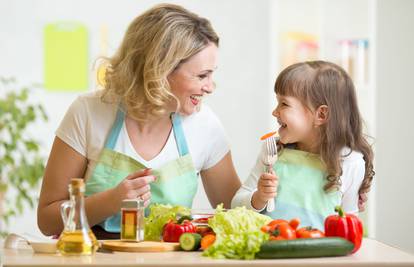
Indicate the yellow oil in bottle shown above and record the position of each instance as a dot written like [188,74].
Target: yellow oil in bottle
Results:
[77,243]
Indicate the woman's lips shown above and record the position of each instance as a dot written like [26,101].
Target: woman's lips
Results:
[195,100]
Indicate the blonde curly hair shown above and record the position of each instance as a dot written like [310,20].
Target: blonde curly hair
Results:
[154,45]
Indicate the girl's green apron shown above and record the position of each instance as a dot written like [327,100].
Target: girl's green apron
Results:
[300,192]
[176,181]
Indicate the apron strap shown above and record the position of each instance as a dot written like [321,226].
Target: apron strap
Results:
[116,128]
[177,129]
[179,134]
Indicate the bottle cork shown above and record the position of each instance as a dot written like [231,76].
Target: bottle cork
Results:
[77,185]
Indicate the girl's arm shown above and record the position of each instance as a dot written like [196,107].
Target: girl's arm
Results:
[353,171]
[221,182]
[65,163]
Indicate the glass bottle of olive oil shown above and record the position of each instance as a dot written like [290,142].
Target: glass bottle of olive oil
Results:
[77,237]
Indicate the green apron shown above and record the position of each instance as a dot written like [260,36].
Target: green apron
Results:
[176,181]
[300,192]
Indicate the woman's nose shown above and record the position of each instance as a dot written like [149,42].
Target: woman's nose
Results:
[208,87]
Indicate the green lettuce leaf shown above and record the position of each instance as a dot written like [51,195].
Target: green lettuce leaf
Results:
[238,234]
[158,216]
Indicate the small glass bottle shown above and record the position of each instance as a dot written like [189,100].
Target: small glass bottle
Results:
[77,237]
[132,220]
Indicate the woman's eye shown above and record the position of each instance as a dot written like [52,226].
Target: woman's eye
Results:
[202,76]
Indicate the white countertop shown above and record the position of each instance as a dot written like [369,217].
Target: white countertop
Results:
[372,253]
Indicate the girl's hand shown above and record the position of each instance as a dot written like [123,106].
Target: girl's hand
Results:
[135,185]
[266,190]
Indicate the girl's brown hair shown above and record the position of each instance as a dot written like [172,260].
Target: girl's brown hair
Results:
[155,44]
[317,83]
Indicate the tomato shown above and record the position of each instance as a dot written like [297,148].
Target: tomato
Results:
[309,232]
[281,229]
[204,230]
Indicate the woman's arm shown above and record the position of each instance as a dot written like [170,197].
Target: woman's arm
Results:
[221,182]
[65,163]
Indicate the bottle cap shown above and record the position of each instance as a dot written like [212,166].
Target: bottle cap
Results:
[76,182]
[132,203]
[77,185]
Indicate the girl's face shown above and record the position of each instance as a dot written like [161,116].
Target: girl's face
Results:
[194,78]
[296,123]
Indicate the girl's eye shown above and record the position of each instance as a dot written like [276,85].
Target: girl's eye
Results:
[284,104]
[202,76]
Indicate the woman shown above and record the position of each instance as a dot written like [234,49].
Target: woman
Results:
[113,136]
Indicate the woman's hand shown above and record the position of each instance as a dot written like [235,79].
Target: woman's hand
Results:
[362,201]
[266,190]
[135,185]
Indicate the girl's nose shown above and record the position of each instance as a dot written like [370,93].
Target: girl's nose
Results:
[275,112]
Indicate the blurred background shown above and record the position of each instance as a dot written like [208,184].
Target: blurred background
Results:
[52,46]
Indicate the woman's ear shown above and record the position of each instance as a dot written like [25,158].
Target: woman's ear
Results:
[321,115]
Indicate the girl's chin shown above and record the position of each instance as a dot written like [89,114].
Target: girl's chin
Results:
[284,139]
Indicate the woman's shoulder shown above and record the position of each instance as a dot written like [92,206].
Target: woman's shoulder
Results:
[89,109]
[95,98]
[93,103]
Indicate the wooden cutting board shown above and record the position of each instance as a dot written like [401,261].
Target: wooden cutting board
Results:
[145,246]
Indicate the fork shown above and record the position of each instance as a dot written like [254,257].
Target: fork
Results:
[269,158]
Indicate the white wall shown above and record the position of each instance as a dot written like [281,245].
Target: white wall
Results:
[395,124]
[242,96]
[247,69]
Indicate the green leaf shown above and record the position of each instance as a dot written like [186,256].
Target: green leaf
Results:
[31,145]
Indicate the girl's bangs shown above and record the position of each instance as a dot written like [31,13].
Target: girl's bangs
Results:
[292,82]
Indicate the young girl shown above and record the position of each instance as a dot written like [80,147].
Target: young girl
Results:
[324,160]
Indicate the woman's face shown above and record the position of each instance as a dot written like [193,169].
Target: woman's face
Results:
[194,78]
[296,123]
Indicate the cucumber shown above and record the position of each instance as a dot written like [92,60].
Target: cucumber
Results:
[305,248]
[190,241]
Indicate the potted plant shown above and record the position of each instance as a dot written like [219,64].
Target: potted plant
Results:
[21,162]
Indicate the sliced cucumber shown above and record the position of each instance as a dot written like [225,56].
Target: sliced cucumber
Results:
[190,241]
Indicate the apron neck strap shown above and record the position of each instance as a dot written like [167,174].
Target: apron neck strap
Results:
[116,128]
[179,134]
[177,129]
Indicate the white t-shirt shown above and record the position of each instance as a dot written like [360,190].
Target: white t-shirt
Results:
[353,171]
[88,121]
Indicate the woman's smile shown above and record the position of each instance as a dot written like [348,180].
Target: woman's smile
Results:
[196,99]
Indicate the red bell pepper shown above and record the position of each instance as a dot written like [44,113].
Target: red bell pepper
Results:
[344,225]
[173,230]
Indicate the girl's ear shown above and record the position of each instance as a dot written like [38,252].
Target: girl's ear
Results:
[321,115]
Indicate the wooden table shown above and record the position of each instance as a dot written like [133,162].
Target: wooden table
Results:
[372,253]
